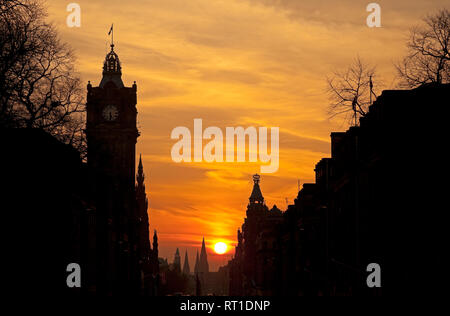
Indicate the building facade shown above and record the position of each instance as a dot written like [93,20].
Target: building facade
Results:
[118,256]
[377,199]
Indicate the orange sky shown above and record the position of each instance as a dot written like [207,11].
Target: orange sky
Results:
[231,63]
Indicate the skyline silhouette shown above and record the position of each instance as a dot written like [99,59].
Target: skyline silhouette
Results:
[211,60]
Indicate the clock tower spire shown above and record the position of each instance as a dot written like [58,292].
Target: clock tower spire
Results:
[112,70]
[111,140]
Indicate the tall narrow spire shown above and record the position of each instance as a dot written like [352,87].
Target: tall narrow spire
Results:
[112,70]
[186,268]
[140,174]
[141,196]
[177,261]
[256,196]
[203,264]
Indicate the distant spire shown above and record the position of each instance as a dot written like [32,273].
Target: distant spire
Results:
[186,269]
[256,196]
[203,264]
[177,261]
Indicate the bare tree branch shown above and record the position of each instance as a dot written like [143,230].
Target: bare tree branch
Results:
[428,55]
[351,90]
[39,87]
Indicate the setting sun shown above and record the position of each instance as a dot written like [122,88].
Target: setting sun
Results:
[220,248]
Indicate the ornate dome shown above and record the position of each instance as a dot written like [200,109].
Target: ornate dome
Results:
[112,63]
[112,71]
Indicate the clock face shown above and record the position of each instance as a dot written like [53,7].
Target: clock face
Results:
[110,113]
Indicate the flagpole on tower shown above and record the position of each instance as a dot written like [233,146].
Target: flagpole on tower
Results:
[111,32]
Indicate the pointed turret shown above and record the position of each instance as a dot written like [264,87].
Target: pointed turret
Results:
[203,264]
[256,196]
[144,248]
[140,187]
[256,206]
[140,176]
[177,261]
[186,268]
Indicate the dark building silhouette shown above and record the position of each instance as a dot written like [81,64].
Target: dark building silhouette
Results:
[119,257]
[202,270]
[203,266]
[252,271]
[177,261]
[377,199]
[93,214]
[148,257]
[42,200]
[205,282]
[186,268]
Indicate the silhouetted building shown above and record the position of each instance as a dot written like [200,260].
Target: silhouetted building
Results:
[252,271]
[93,214]
[148,257]
[177,262]
[378,199]
[202,270]
[203,266]
[119,258]
[205,281]
[43,200]
[186,269]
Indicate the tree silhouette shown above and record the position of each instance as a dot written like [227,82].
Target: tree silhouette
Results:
[351,91]
[39,87]
[428,55]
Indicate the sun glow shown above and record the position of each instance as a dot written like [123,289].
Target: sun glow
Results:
[220,248]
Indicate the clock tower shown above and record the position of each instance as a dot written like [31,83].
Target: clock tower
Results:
[111,140]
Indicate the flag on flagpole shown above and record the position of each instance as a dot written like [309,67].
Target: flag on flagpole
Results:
[111,29]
